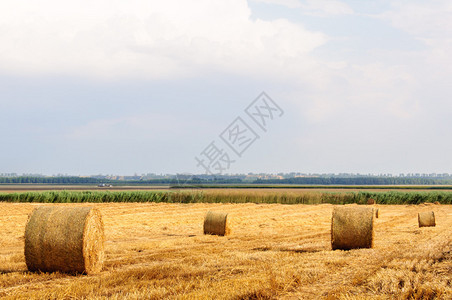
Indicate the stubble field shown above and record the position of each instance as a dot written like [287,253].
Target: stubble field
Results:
[275,251]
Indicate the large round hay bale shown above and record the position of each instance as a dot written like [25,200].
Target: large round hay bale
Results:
[65,239]
[370,201]
[426,219]
[352,227]
[216,223]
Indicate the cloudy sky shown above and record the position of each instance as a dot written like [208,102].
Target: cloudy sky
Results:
[124,87]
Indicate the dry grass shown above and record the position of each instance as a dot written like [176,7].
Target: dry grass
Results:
[157,250]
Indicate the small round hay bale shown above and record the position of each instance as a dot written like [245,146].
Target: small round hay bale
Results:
[377,211]
[426,219]
[216,223]
[437,203]
[352,227]
[65,239]
[370,201]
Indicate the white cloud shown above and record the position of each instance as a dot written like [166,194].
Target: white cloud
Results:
[363,88]
[151,39]
[319,8]
[287,3]
[429,22]
[395,84]
[325,8]
[340,102]
[421,18]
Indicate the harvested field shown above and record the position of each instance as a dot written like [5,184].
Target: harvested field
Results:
[158,250]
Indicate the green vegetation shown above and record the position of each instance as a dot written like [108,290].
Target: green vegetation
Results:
[415,197]
[231,196]
[99,197]
[310,187]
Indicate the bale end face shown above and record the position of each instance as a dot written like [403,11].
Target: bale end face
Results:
[426,219]
[370,201]
[352,228]
[216,223]
[64,239]
[93,243]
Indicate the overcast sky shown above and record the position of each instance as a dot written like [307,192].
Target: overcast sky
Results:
[124,87]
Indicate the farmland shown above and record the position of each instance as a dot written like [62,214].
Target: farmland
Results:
[157,250]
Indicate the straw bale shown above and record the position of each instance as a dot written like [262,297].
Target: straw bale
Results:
[426,219]
[370,201]
[65,239]
[352,227]
[216,223]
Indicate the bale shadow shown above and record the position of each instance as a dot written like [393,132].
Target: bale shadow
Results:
[180,235]
[9,271]
[306,250]
[262,249]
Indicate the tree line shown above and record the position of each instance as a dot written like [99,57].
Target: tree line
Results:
[197,181]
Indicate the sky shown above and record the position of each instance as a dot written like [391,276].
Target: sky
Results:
[125,87]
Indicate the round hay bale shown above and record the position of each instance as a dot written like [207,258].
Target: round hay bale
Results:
[370,201]
[65,239]
[352,227]
[437,203]
[426,219]
[216,223]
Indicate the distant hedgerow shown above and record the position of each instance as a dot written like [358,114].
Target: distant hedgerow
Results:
[197,196]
